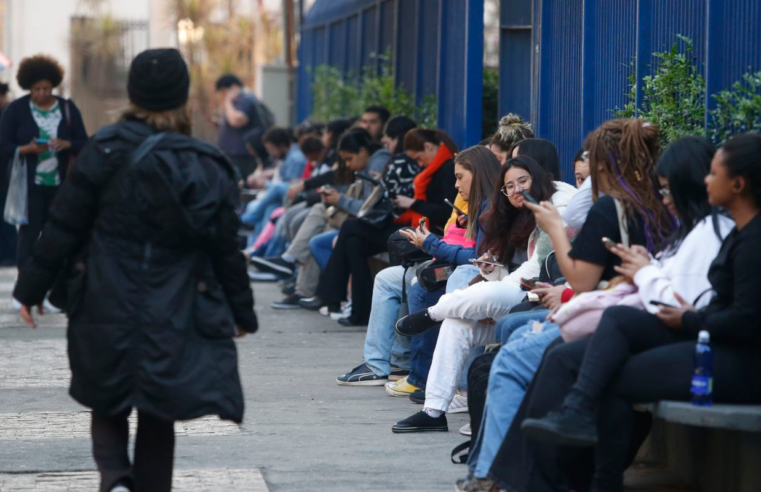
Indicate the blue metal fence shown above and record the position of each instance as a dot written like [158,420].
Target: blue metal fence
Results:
[437,48]
[564,64]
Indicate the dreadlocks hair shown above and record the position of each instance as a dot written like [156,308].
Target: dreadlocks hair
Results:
[622,155]
[512,129]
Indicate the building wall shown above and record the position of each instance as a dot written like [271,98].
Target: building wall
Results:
[566,68]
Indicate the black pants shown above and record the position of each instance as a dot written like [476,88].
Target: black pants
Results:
[357,241]
[40,198]
[154,452]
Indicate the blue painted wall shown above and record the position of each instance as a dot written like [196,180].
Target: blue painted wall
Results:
[437,48]
[569,69]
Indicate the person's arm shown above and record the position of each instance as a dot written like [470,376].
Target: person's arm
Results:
[575,214]
[449,253]
[236,117]
[78,134]
[737,323]
[71,218]
[229,263]
[319,180]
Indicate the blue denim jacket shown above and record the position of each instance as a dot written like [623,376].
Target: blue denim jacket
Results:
[454,254]
[293,164]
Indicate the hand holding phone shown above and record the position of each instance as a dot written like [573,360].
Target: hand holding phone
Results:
[662,304]
[609,243]
[459,212]
[528,283]
[528,197]
[41,141]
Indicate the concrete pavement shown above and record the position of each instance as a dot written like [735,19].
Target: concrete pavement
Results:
[302,432]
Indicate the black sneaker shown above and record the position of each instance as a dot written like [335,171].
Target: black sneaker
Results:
[361,376]
[349,323]
[288,288]
[566,426]
[315,303]
[421,422]
[418,396]
[415,324]
[273,264]
[290,302]
[398,373]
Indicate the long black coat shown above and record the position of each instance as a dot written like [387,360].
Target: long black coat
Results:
[156,282]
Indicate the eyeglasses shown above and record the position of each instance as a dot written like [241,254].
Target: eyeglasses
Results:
[522,183]
[665,192]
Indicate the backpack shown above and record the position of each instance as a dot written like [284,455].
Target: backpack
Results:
[264,117]
[478,383]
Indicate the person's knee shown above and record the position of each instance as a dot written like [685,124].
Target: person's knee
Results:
[388,279]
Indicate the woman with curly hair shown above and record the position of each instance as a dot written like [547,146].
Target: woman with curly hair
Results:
[47,131]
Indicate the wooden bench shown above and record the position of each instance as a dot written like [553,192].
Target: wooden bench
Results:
[714,449]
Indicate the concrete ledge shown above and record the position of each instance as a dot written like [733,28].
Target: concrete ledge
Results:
[746,418]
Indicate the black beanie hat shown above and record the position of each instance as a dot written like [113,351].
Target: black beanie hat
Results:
[158,80]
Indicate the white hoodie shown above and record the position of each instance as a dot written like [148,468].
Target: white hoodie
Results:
[686,271]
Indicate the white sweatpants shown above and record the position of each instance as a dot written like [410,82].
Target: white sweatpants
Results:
[462,331]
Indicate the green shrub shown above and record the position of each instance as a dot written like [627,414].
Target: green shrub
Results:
[340,96]
[673,97]
[738,109]
[490,105]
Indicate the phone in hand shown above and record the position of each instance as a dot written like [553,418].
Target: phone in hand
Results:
[529,283]
[662,304]
[528,197]
[323,190]
[459,212]
[609,243]
[41,141]
[423,223]
[486,262]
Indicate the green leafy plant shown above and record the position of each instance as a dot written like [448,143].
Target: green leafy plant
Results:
[339,95]
[738,109]
[673,97]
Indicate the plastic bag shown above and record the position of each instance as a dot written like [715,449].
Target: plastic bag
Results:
[16,205]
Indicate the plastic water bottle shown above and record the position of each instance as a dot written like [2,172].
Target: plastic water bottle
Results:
[702,379]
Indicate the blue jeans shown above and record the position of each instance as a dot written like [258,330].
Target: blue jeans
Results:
[511,373]
[256,211]
[423,346]
[507,325]
[321,247]
[383,346]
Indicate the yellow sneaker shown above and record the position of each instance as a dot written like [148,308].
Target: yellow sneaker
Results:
[400,388]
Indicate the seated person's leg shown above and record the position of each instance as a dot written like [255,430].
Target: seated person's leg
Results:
[484,300]
[422,346]
[321,247]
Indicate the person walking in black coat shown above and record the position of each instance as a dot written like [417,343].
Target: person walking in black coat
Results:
[48,132]
[145,233]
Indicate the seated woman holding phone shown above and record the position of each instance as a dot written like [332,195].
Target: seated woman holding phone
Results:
[682,266]
[521,248]
[386,354]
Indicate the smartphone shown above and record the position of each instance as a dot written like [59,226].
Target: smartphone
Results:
[324,189]
[41,141]
[423,223]
[459,212]
[609,243]
[486,262]
[529,283]
[528,197]
[662,304]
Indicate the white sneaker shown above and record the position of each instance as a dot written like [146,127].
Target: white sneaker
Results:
[48,308]
[120,488]
[459,404]
[465,430]
[324,311]
[15,304]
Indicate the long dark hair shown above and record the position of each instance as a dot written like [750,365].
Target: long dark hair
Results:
[508,228]
[481,162]
[337,128]
[397,127]
[743,158]
[685,164]
[622,155]
[542,151]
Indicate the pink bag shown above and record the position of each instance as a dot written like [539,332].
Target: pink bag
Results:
[580,316]
[456,237]
[269,230]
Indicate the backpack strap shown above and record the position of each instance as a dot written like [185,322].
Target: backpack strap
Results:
[462,459]
[144,148]
[623,224]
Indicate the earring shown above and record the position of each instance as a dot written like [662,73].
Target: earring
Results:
[638,175]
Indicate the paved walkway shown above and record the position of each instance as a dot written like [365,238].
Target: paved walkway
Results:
[302,432]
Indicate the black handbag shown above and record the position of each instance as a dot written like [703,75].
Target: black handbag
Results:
[402,252]
[432,275]
[378,207]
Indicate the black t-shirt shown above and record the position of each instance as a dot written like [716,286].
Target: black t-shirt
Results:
[601,222]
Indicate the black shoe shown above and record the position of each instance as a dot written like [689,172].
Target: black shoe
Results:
[290,302]
[311,303]
[348,322]
[418,396]
[361,376]
[415,324]
[288,288]
[273,264]
[421,422]
[566,426]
